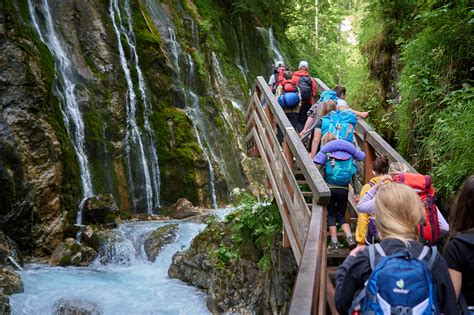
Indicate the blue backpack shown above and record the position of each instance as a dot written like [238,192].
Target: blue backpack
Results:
[289,100]
[399,284]
[339,172]
[340,123]
[327,95]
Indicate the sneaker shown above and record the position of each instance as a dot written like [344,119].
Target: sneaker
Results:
[351,242]
[333,247]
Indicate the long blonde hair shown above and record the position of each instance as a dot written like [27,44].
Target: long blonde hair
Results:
[398,210]
[398,167]
[328,107]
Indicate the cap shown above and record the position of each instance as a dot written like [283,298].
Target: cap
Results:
[279,63]
[303,64]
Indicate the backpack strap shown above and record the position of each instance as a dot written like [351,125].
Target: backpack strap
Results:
[424,252]
[433,258]
[372,250]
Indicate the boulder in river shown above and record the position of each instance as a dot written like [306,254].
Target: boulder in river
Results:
[10,282]
[100,209]
[76,307]
[159,238]
[71,253]
[183,208]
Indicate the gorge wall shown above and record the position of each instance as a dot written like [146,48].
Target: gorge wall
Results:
[139,99]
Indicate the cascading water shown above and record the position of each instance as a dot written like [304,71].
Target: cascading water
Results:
[120,281]
[66,88]
[272,43]
[212,177]
[134,142]
[223,84]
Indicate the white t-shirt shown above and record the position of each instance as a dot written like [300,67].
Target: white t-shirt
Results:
[341,102]
[271,81]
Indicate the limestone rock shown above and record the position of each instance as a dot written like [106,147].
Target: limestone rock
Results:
[183,208]
[76,307]
[70,253]
[4,304]
[159,238]
[241,286]
[100,209]
[10,281]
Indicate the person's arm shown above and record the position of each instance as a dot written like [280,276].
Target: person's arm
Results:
[367,203]
[443,225]
[315,142]
[307,125]
[362,115]
[271,81]
[456,279]
[444,287]
[350,277]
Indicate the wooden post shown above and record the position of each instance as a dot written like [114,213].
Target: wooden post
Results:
[369,159]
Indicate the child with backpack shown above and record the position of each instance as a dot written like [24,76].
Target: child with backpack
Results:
[288,96]
[397,275]
[434,224]
[337,157]
[366,231]
[327,108]
[459,251]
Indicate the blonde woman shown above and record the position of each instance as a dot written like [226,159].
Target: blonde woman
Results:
[398,211]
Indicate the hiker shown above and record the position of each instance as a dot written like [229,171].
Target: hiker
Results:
[307,87]
[288,96]
[277,78]
[459,251]
[396,171]
[337,157]
[327,108]
[400,282]
[315,111]
[342,104]
[365,231]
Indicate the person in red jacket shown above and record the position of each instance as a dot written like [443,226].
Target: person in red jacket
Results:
[307,87]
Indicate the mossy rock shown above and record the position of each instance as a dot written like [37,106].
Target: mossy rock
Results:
[71,253]
[159,238]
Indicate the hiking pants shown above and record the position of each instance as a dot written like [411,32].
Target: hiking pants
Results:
[302,116]
[337,206]
[293,118]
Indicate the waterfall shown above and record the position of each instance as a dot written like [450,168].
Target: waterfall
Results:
[13,261]
[66,88]
[133,140]
[212,178]
[272,42]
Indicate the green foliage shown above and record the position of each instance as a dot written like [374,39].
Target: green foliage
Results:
[247,231]
[450,143]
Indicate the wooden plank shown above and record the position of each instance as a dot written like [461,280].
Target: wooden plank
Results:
[331,292]
[268,169]
[304,289]
[321,86]
[311,173]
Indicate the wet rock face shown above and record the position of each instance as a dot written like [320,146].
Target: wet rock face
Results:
[100,209]
[77,307]
[159,238]
[240,287]
[183,208]
[10,281]
[4,304]
[70,253]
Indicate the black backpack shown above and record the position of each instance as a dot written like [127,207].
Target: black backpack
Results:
[306,88]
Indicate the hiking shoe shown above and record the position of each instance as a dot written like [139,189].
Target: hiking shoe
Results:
[351,242]
[333,247]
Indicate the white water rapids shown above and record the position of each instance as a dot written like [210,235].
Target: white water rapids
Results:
[127,284]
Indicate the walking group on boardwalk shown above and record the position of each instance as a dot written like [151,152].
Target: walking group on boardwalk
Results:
[396,265]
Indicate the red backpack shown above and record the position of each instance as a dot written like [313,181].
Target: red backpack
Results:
[278,73]
[429,230]
[289,86]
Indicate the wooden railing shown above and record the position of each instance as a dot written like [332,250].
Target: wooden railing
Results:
[304,222]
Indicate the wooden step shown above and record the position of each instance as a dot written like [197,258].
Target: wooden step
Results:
[307,193]
[301,182]
[342,253]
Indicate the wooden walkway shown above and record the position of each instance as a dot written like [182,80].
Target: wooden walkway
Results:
[289,170]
